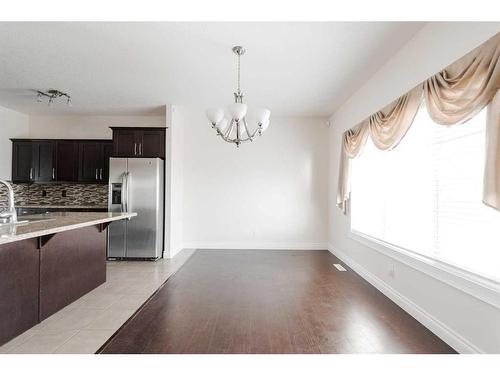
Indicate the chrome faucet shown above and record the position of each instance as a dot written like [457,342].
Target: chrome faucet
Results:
[9,216]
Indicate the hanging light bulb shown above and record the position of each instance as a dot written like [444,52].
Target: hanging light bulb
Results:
[222,125]
[215,115]
[237,111]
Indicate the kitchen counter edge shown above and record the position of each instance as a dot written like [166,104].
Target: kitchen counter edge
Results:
[53,227]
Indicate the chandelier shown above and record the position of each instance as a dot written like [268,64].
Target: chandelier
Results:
[232,125]
[52,94]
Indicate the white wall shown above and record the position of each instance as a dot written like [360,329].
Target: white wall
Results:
[174,189]
[468,323]
[268,194]
[12,124]
[86,126]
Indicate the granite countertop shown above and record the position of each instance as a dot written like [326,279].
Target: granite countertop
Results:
[56,222]
[57,206]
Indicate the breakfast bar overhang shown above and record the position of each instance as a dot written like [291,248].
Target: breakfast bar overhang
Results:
[48,262]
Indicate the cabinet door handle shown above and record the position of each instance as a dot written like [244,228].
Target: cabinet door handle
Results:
[140,148]
[135,148]
[53,173]
[96,174]
[100,174]
[31,173]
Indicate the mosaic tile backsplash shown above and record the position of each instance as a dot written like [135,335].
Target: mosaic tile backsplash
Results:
[56,194]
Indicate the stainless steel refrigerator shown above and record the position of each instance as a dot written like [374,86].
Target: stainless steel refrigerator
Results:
[136,185]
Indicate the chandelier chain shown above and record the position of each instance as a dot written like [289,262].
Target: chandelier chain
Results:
[239,70]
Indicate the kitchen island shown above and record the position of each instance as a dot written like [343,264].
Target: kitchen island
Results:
[48,261]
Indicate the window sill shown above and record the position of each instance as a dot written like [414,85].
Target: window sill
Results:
[478,286]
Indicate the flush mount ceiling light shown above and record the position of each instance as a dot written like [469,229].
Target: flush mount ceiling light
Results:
[52,94]
[232,125]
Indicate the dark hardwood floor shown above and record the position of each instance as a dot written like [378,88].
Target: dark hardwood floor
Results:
[270,302]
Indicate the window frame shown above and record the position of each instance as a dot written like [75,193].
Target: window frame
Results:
[473,283]
[481,287]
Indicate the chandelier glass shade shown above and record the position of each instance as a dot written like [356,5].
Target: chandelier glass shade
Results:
[237,124]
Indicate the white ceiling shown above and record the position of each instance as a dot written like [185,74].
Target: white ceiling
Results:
[305,69]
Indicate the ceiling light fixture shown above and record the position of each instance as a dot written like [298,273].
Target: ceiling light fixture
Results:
[52,94]
[232,125]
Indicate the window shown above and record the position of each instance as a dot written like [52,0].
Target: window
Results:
[425,195]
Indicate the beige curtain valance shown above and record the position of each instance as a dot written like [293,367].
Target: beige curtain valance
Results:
[452,96]
[465,87]
[386,128]
[354,140]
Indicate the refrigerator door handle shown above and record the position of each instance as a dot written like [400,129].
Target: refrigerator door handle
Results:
[124,192]
[127,192]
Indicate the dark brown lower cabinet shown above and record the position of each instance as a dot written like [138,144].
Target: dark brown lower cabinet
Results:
[40,276]
[19,281]
[72,263]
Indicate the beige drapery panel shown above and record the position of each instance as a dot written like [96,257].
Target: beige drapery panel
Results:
[452,96]
[353,142]
[491,187]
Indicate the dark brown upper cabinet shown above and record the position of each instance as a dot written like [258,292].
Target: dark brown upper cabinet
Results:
[94,161]
[125,142]
[67,161]
[107,152]
[22,161]
[138,142]
[44,161]
[33,161]
[61,160]
[153,144]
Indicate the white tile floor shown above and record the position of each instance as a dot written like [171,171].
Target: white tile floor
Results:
[87,323]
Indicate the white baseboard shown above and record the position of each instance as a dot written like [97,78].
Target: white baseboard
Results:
[452,338]
[256,246]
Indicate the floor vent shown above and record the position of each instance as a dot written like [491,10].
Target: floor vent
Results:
[339,267]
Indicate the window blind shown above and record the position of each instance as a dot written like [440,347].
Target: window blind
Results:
[425,195]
